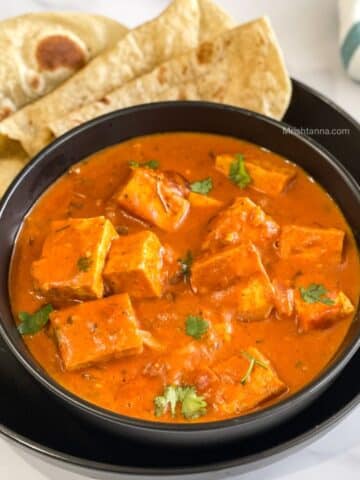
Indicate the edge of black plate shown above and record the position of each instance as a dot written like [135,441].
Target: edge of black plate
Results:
[296,442]
[328,101]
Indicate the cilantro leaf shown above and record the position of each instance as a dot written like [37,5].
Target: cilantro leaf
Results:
[33,323]
[202,186]
[315,293]
[196,326]
[153,164]
[252,363]
[185,264]
[192,405]
[238,173]
[168,400]
[84,264]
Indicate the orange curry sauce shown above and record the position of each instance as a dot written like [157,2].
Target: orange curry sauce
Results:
[130,384]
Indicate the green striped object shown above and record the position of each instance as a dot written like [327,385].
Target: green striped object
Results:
[350,44]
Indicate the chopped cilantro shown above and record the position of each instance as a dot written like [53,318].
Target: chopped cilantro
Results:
[84,264]
[192,404]
[238,173]
[33,323]
[315,293]
[252,363]
[196,326]
[153,164]
[202,186]
[168,400]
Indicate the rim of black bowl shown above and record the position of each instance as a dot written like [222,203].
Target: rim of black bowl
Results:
[100,466]
[325,377]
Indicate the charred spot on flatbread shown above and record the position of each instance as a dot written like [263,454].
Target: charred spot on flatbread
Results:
[60,51]
[205,52]
[162,74]
[7,108]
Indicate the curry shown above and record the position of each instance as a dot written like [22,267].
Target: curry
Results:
[184,277]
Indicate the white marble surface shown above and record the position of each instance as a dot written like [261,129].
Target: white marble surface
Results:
[307,30]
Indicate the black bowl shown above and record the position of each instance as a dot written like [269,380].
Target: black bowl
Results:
[168,117]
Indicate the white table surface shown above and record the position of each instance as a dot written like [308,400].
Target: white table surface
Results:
[307,30]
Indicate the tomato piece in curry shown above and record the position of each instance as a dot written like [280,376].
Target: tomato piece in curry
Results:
[184,277]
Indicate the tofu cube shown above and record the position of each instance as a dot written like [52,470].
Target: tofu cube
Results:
[204,202]
[284,299]
[319,315]
[272,181]
[134,265]
[312,245]
[252,300]
[95,332]
[238,392]
[155,197]
[241,221]
[219,270]
[73,258]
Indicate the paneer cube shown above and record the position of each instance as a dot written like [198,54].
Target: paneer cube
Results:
[134,265]
[242,221]
[248,300]
[219,270]
[204,201]
[284,299]
[97,331]
[239,389]
[155,197]
[271,181]
[311,245]
[73,258]
[253,299]
[321,315]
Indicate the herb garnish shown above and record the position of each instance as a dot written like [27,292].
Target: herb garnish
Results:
[185,264]
[84,264]
[315,293]
[202,186]
[238,173]
[153,164]
[33,323]
[168,400]
[253,361]
[196,326]
[192,404]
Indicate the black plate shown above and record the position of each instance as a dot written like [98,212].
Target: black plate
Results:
[30,417]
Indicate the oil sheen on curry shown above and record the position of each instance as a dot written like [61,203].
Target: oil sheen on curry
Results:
[184,277]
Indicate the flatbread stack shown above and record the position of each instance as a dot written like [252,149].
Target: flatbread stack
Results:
[39,52]
[192,51]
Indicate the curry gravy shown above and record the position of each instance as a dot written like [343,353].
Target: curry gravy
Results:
[129,385]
